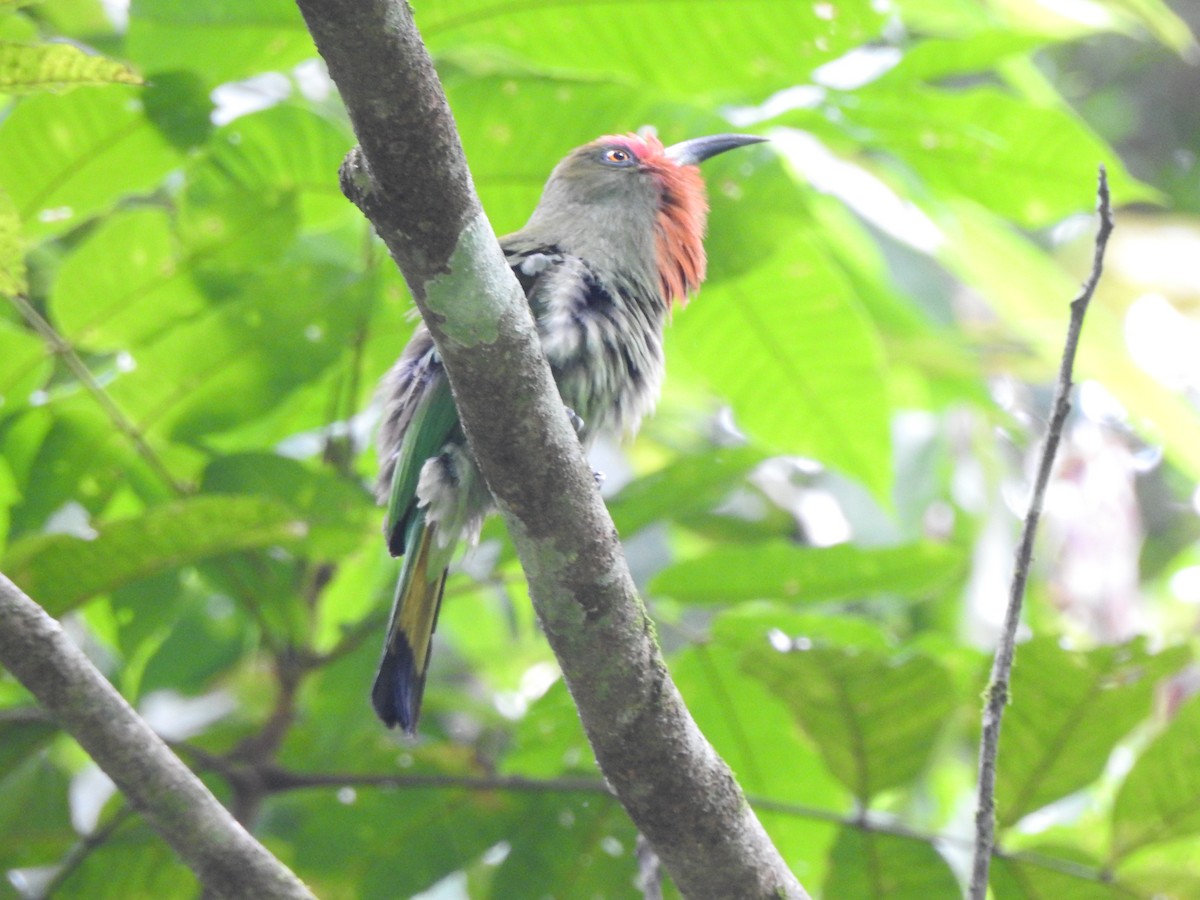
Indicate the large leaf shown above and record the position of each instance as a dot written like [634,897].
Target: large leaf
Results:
[60,571]
[1068,711]
[742,51]
[584,842]
[1041,877]
[788,347]
[35,823]
[775,766]
[335,510]
[24,364]
[873,715]
[124,284]
[12,253]
[692,484]
[873,866]
[243,357]
[1030,164]
[1160,798]
[284,149]
[731,573]
[63,158]
[136,862]
[221,40]
[25,69]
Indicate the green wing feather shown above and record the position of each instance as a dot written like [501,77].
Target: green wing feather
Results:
[433,422]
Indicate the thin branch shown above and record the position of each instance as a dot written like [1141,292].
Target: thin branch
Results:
[410,178]
[227,861]
[997,693]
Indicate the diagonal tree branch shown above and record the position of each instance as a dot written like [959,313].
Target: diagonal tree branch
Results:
[997,692]
[412,182]
[226,859]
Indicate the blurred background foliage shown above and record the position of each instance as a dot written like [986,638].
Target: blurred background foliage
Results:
[822,515]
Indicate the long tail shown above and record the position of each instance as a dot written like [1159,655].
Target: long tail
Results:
[400,682]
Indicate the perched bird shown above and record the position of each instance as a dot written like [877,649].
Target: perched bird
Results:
[615,240]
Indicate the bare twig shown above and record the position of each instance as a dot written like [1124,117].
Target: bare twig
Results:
[227,861]
[997,693]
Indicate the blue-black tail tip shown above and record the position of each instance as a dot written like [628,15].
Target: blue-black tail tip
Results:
[398,687]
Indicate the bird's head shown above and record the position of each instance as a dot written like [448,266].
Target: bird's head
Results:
[626,200]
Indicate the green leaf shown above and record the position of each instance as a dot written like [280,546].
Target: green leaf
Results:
[1157,801]
[692,484]
[1017,878]
[20,738]
[874,716]
[283,150]
[35,822]
[60,571]
[440,832]
[26,69]
[244,356]
[752,731]
[583,841]
[64,158]
[1168,869]
[731,573]
[337,512]
[221,40]
[1067,712]
[125,284]
[135,862]
[69,452]
[788,347]
[12,252]
[1030,164]
[24,365]
[875,866]
[740,51]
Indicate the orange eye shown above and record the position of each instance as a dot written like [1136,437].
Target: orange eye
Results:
[618,156]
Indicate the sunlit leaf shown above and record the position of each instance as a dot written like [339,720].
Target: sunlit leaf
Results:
[222,40]
[125,284]
[24,364]
[35,823]
[1068,711]
[744,50]
[731,573]
[12,253]
[60,571]
[878,866]
[874,716]
[1157,801]
[1018,878]
[25,69]
[63,158]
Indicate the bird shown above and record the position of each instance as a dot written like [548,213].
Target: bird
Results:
[614,244]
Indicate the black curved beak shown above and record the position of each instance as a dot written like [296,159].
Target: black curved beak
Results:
[697,150]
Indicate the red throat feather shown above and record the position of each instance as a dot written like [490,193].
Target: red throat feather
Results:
[679,225]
